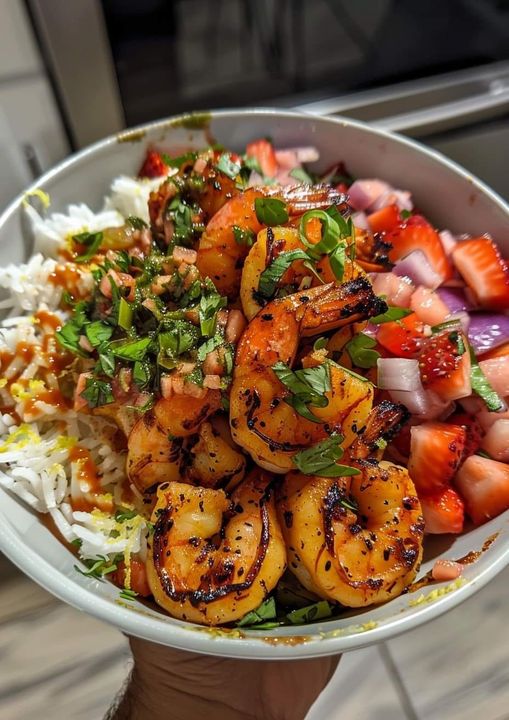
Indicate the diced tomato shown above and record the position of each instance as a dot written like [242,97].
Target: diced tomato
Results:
[485,271]
[436,450]
[428,306]
[444,364]
[263,152]
[388,218]
[443,512]
[497,374]
[474,432]
[484,485]
[138,580]
[153,166]
[402,338]
[417,234]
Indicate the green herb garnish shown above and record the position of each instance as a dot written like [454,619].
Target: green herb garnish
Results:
[307,387]
[301,175]
[177,162]
[243,236]
[228,166]
[132,349]
[128,594]
[97,332]
[482,387]
[125,314]
[360,350]
[98,568]
[271,211]
[321,459]
[266,611]
[136,222]
[92,241]
[97,392]
[310,613]
[210,304]
[390,315]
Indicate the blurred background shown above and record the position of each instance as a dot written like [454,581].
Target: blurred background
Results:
[72,72]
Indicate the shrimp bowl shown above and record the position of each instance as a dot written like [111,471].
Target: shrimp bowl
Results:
[254,383]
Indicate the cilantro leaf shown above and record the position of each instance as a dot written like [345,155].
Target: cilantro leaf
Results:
[68,337]
[132,349]
[97,333]
[97,392]
[307,386]
[360,349]
[321,459]
[392,313]
[136,222]
[92,242]
[270,277]
[210,304]
[179,160]
[271,211]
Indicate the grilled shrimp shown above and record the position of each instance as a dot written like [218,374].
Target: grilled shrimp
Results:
[269,244]
[221,253]
[262,423]
[213,559]
[355,540]
[214,461]
[155,446]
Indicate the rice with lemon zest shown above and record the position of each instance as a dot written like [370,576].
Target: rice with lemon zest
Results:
[36,445]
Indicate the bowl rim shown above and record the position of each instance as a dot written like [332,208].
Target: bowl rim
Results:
[191,637]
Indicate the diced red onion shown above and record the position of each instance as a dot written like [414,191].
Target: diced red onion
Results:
[487,331]
[398,374]
[371,330]
[416,266]
[455,299]
[448,241]
[363,193]
[401,198]
[424,403]
[397,290]
[360,220]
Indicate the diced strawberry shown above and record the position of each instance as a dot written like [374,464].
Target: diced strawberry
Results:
[443,512]
[484,486]
[138,580]
[496,371]
[496,442]
[429,306]
[417,234]
[485,271]
[388,218]
[404,337]
[436,450]
[153,166]
[263,152]
[444,364]
[474,432]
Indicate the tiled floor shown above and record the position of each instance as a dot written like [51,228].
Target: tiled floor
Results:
[58,663]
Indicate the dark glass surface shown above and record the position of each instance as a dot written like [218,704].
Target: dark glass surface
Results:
[176,55]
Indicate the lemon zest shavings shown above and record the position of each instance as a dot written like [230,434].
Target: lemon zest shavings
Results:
[3,382]
[20,438]
[437,593]
[38,193]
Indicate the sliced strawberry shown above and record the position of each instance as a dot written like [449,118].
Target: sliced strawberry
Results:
[444,364]
[417,234]
[385,219]
[484,485]
[429,306]
[443,512]
[436,450]
[404,337]
[474,432]
[263,152]
[485,271]
[153,166]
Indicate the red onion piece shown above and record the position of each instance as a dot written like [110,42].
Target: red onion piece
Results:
[417,267]
[425,404]
[448,241]
[360,220]
[455,299]
[487,331]
[398,374]
[363,193]
[371,330]
[401,198]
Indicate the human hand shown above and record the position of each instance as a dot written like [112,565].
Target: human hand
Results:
[168,684]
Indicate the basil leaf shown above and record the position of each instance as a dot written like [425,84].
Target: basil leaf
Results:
[300,406]
[179,337]
[270,277]
[310,613]
[97,332]
[243,236]
[125,314]
[141,373]
[360,350]
[228,166]
[136,222]
[266,611]
[320,459]
[131,350]
[97,392]
[92,242]
[271,211]
[301,175]
[209,307]
[179,160]
[390,315]
[482,387]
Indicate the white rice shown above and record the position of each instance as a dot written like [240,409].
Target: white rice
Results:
[35,460]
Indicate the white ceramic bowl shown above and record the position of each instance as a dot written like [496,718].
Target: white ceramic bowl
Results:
[445,192]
